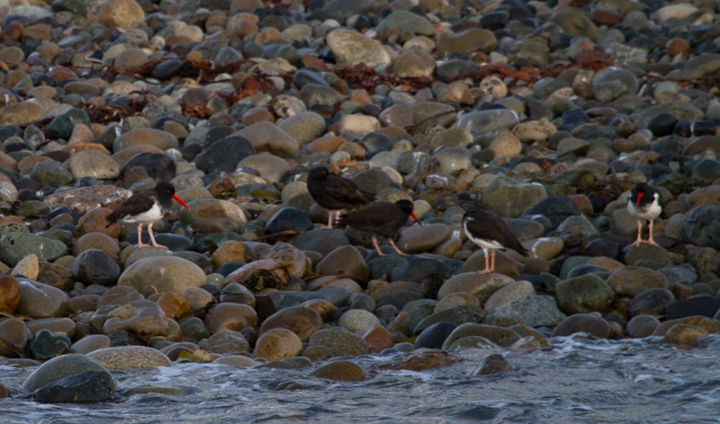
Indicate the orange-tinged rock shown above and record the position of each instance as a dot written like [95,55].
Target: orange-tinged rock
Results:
[9,294]
[95,221]
[257,114]
[174,306]
[361,97]
[13,31]
[175,40]
[30,161]
[37,32]
[676,46]
[60,73]
[606,17]
[377,337]
[245,27]
[70,148]
[245,5]
[327,143]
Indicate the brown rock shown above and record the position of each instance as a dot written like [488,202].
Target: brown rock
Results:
[418,360]
[9,294]
[278,344]
[340,371]
[84,303]
[174,306]
[55,276]
[230,251]
[84,199]
[15,336]
[708,324]
[36,32]
[42,301]
[495,363]
[326,143]
[298,319]
[377,337]
[124,14]
[142,317]
[676,46]
[257,114]
[683,334]
[119,296]
[325,309]
[56,325]
[230,316]
[98,241]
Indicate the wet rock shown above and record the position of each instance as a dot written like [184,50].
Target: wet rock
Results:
[481,286]
[143,317]
[230,316]
[340,371]
[9,294]
[582,323]
[339,343]
[534,311]
[351,48]
[419,360]
[683,334]
[299,319]
[495,363]
[15,336]
[642,326]
[225,341]
[500,336]
[42,301]
[434,336]
[95,267]
[224,154]
[126,357]
[357,319]
[88,386]
[46,345]
[696,305]
[277,344]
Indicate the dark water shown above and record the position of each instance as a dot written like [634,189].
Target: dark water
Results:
[575,380]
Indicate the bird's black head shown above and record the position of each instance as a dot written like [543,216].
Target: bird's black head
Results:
[405,205]
[319,173]
[642,192]
[165,188]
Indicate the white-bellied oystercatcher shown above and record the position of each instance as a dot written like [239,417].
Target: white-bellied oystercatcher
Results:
[381,218]
[644,203]
[334,192]
[144,208]
[490,232]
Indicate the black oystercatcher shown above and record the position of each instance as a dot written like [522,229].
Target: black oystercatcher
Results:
[334,192]
[381,218]
[644,203]
[146,207]
[489,231]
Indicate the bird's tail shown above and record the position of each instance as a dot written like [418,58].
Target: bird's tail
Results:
[369,197]
[111,219]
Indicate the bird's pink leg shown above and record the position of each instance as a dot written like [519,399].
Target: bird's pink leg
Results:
[650,240]
[375,243]
[639,237]
[152,238]
[140,243]
[330,219]
[392,243]
[492,264]
[487,269]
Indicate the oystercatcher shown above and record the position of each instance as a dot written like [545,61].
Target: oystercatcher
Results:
[489,231]
[146,207]
[334,192]
[381,218]
[644,203]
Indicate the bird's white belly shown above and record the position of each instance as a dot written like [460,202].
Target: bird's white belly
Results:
[650,213]
[148,217]
[484,243]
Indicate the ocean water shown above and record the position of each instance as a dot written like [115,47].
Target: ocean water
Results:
[574,380]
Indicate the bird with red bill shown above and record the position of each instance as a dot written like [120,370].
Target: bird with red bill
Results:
[145,208]
[382,219]
[644,203]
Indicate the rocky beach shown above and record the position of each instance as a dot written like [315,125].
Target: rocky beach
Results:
[546,113]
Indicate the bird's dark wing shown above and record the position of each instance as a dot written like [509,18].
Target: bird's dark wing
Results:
[135,204]
[488,226]
[382,218]
[346,191]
